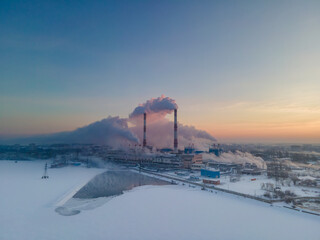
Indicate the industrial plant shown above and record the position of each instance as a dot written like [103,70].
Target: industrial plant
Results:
[263,173]
[149,158]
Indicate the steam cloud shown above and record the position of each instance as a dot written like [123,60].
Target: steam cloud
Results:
[237,157]
[160,129]
[160,107]
[114,131]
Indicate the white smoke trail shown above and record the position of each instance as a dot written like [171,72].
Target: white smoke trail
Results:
[160,129]
[155,108]
[237,157]
[112,131]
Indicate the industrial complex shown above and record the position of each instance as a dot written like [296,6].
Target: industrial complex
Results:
[264,173]
[190,159]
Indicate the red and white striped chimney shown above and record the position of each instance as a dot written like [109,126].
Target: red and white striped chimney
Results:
[175,131]
[144,129]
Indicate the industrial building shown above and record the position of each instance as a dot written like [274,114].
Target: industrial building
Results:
[187,160]
[225,167]
[210,172]
[197,166]
[215,149]
[172,158]
[189,150]
[277,169]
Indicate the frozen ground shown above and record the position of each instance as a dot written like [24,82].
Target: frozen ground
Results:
[246,186]
[27,205]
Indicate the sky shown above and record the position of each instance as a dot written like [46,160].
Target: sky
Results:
[245,71]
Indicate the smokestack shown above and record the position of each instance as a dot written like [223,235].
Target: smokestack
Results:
[144,129]
[175,131]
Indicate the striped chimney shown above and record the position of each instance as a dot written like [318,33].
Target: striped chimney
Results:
[144,129]
[175,131]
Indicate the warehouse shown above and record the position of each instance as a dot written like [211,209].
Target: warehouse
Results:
[210,172]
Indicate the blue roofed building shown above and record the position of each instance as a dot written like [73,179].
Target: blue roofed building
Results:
[210,172]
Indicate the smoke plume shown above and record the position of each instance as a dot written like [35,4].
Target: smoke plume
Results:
[155,108]
[160,134]
[112,131]
[160,129]
[237,157]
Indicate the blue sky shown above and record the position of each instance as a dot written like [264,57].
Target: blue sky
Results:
[63,65]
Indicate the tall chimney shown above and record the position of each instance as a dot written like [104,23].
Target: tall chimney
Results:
[144,129]
[175,131]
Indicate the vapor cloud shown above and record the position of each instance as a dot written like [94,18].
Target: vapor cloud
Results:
[237,157]
[114,131]
[160,129]
[155,107]
[160,135]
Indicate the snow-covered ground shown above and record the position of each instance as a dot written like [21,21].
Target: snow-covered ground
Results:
[247,186]
[27,205]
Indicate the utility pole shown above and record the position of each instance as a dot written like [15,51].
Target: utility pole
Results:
[45,175]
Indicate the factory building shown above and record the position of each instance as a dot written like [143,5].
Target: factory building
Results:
[187,160]
[277,169]
[210,172]
[225,167]
[197,166]
[189,150]
[215,149]
[168,161]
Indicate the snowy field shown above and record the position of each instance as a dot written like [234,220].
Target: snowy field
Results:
[245,185]
[253,188]
[28,203]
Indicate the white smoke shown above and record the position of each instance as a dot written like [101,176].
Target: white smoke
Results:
[155,108]
[237,157]
[112,131]
[160,129]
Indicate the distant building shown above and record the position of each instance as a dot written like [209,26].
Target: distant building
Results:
[277,170]
[215,149]
[208,181]
[189,150]
[251,171]
[210,172]
[226,167]
[188,160]
[197,166]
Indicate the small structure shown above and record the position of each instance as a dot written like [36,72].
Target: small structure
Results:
[209,181]
[210,172]
[194,178]
[197,166]
[251,171]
